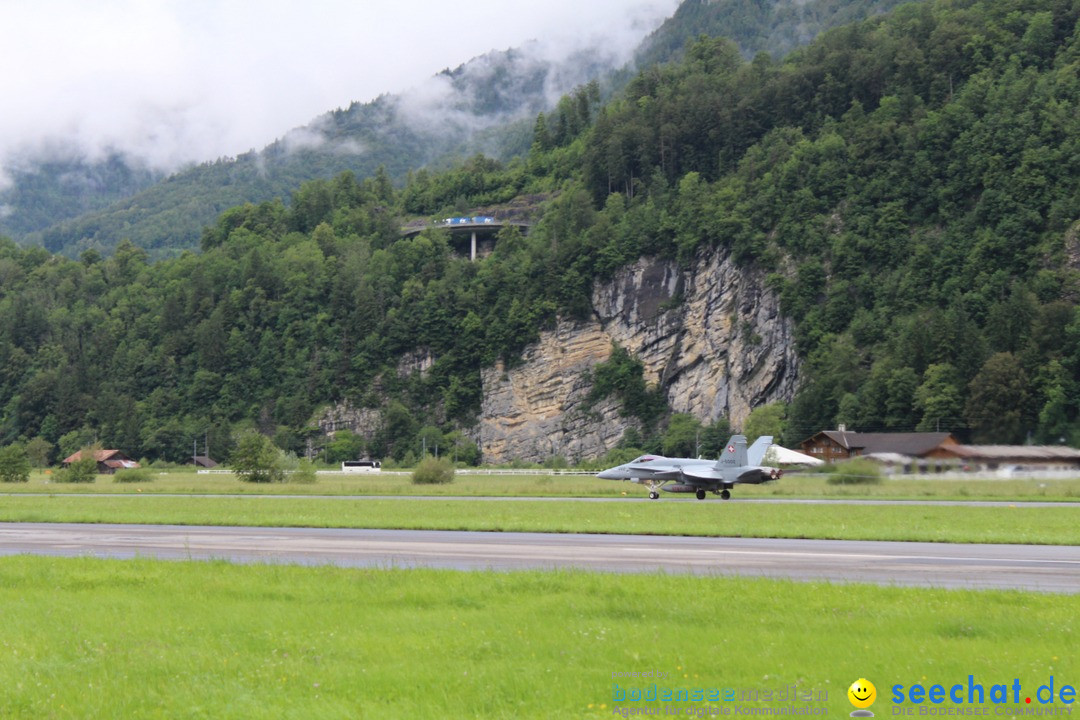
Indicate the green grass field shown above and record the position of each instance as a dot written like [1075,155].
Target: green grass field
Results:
[791,485]
[1058,525]
[86,638]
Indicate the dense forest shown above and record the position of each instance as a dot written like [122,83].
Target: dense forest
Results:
[775,27]
[910,182]
[913,181]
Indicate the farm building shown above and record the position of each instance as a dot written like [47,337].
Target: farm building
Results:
[937,452]
[108,461]
[833,445]
[1016,457]
[202,461]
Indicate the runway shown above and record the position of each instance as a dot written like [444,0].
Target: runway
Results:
[1028,567]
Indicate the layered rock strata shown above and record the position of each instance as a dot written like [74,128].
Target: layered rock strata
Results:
[711,336]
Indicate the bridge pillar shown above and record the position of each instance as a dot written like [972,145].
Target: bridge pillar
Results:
[472,253]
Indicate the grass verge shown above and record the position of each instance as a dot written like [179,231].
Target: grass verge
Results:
[793,486]
[1019,524]
[87,638]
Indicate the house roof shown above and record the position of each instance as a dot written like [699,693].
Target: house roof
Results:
[903,443]
[1015,452]
[100,456]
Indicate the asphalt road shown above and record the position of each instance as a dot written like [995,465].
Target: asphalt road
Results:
[1029,567]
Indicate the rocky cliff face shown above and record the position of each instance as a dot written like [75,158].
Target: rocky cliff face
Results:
[1072,246]
[362,421]
[711,336]
[536,410]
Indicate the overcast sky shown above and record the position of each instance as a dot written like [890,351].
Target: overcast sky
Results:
[192,80]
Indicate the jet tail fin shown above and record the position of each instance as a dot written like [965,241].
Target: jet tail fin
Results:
[734,454]
[755,455]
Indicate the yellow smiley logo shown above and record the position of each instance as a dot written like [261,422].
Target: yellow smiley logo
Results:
[862,693]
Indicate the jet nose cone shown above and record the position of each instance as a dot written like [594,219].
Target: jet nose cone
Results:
[607,475]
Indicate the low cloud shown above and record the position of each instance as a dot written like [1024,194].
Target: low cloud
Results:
[314,136]
[526,79]
[177,81]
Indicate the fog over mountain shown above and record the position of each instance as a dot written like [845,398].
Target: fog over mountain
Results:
[170,82]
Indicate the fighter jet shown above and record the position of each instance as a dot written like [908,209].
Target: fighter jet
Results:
[736,465]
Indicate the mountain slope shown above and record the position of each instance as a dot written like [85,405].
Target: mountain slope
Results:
[487,105]
[913,184]
[901,198]
[478,107]
[44,190]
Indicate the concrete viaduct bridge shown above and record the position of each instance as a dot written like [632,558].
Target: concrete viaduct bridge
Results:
[480,230]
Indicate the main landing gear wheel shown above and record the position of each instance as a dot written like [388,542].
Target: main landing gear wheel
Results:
[725,494]
[700,494]
[653,495]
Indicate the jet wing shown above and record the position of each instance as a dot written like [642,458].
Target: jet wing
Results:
[656,472]
[702,474]
[745,474]
[637,472]
[653,469]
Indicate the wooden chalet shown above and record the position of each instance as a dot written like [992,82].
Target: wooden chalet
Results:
[108,461]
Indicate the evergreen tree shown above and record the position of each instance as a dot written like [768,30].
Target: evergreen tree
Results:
[998,402]
[14,464]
